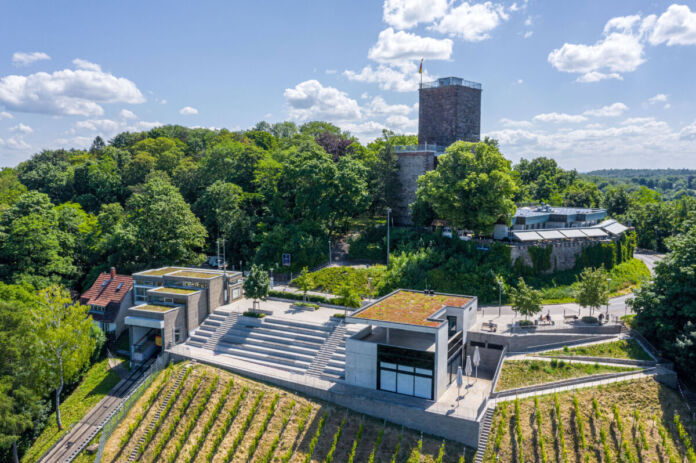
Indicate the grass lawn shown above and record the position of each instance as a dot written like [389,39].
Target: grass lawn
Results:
[330,279]
[624,277]
[590,431]
[621,349]
[521,373]
[96,383]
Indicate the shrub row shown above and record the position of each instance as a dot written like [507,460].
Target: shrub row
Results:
[146,408]
[440,453]
[356,441]
[301,424]
[260,432]
[518,429]
[540,431]
[188,398]
[151,433]
[276,440]
[378,441]
[231,415]
[298,297]
[579,423]
[666,449]
[500,429]
[398,447]
[315,439]
[685,439]
[242,431]
[332,450]
[253,314]
[206,427]
[561,432]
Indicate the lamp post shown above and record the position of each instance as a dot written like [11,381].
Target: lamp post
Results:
[329,252]
[500,296]
[369,285]
[388,217]
[608,282]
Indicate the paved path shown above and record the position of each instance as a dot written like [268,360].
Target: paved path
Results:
[77,438]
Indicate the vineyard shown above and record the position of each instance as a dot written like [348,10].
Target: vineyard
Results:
[635,421]
[203,414]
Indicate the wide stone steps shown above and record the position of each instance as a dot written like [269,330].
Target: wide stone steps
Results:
[273,332]
[244,353]
[268,349]
[275,343]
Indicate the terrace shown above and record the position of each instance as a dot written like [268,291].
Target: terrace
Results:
[177,291]
[158,272]
[194,274]
[411,308]
[154,308]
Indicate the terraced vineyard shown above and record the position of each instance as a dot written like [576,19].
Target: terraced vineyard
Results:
[633,421]
[204,414]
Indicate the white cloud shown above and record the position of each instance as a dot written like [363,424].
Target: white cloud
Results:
[86,65]
[24,59]
[528,34]
[144,125]
[659,98]
[528,21]
[676,26]
[612,110]
[188,111]
[389,78]
[163,101]
[311,100]
[667,106]
[5,115]
[99,125]
[559,118]
[331,71]
[400,123]
[15,143]
[379,107]
[405,14]
[126,114]
[512,123]
[22,128]
[595,76]
[365,131]
[67,92]
[401,47]
[472,22]
[688,133]
[519,81]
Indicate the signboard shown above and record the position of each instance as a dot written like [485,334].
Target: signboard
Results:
[483,248]
[286,260]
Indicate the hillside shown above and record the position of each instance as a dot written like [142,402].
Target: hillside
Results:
[213,416]
[630,421]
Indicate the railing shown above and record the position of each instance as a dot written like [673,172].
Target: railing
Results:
[420,147]
[119,413]
[450,81]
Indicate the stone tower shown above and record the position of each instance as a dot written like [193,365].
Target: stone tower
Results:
[449,110]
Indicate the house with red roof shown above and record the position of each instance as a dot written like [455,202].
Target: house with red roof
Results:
[109,299]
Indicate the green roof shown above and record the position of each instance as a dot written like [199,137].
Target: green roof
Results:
[194,274]
[164,289]
[158,272]
[154,308]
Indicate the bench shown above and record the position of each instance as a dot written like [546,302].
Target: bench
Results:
[490,326]
[570,317]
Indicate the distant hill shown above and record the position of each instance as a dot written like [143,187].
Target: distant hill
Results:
[630,173]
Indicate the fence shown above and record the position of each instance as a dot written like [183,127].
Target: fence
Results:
[120,412]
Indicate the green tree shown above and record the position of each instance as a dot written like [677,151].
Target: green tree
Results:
[257,284]
[62,329]
[159,229]
[348,296]
[616,201]
[666,307]
[472,187]
[593,288]
[304,282]
[524,299]
[10,188]
[384,183]
[582,194]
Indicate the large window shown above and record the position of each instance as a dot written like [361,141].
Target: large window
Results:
[405,371]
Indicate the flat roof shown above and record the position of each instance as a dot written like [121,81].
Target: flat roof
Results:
[157,272]
[594,232]
[154,308]
[527,235]
[164,289]
[411,307]
[195,274]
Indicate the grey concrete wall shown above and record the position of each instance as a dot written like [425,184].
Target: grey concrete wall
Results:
[563,254]
[175,319]
[361,363]
[128,301]
[411,166]
[448,114]
[196,310]
[525,342]
[440,373]
[216,292]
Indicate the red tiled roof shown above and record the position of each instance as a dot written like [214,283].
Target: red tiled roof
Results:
[101,295]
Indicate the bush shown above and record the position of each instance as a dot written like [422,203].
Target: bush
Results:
[249,313]
[591,320]
[338,315]
[526,323]
[306,304]
[298,297]
[331,279]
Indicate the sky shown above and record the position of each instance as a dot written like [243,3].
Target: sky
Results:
[591,83]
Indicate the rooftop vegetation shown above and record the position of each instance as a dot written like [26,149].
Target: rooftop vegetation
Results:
[411,307]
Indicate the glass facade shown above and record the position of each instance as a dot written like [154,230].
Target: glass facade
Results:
[405,371]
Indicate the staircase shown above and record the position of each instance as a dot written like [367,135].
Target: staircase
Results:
[224,327]
[483,434]
[320,364]
[136,450]
[208,329]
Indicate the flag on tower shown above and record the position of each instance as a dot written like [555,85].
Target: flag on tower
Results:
[420,70]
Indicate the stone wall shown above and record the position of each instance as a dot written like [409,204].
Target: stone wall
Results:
[563,254]
[448,114]
[411,166]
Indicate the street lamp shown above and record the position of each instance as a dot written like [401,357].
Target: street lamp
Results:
[329,252]
[608,282]
[369,284]
[388,217]
[500,295]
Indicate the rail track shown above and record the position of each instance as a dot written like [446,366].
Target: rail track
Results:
[77,438]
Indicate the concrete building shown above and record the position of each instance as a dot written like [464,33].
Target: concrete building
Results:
[413,343]
[171,303]
[108,300]
[449,110]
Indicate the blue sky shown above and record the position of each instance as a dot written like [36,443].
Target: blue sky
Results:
[593,84]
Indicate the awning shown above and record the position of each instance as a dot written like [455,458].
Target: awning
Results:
[550,234]
[593,232]
[616,228]
[605,223]
[572,233]
[144,322]
[526,236]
